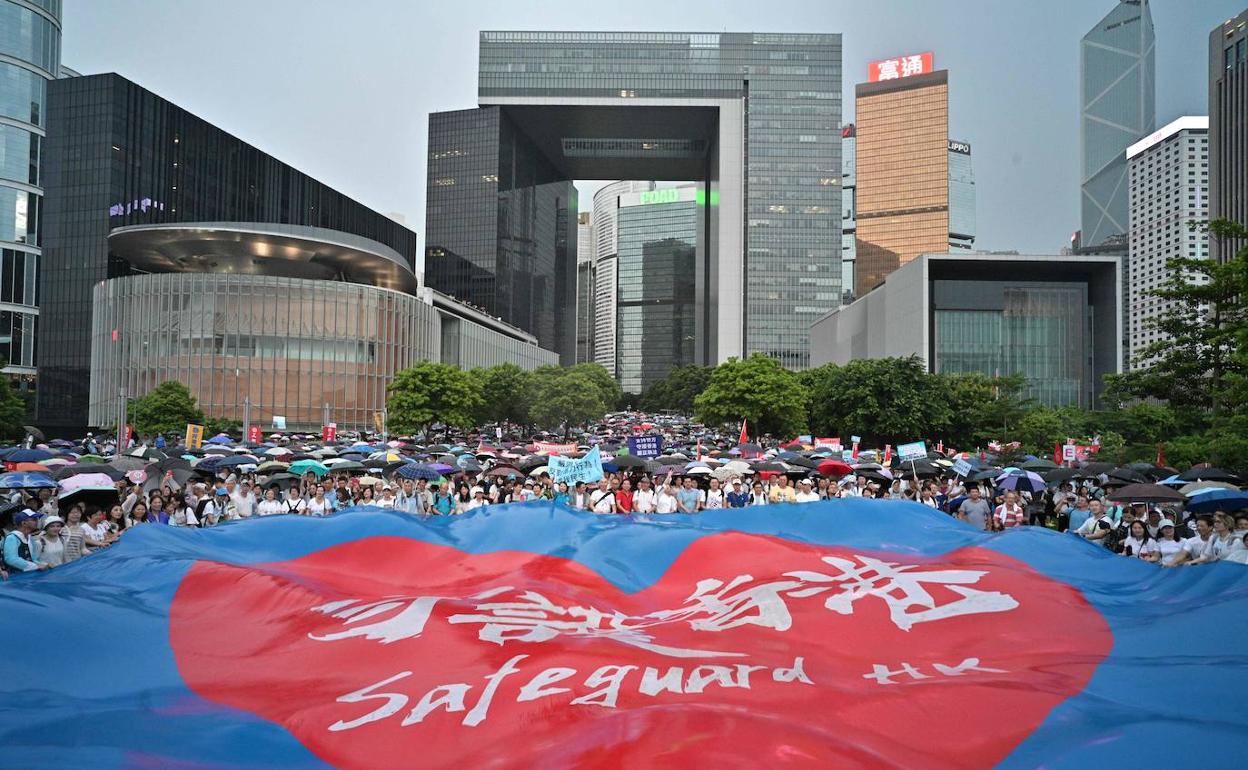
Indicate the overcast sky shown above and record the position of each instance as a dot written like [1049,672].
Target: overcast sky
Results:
[342,91]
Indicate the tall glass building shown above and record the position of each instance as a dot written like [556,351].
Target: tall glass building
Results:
[961,197]
[849,217]
[1117,77]
[30,57]
[753,117]
[658,246]
[1228,128]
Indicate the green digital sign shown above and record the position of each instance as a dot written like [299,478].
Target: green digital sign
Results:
[668,195]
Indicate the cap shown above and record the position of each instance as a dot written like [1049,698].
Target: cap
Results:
[21,516]
[736,482]
[1165,523]
[221,491]
[478,491]
[49,521]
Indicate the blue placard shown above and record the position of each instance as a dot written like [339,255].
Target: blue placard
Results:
[648,447]
[587,468]
[914,451]
[962,468]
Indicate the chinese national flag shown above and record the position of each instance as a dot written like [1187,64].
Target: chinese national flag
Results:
[1161,455]
[744,437]
[1057,454]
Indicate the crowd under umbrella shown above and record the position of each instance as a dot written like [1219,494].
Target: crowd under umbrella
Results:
[1198,486]
[1019,480]
[26,480]
[1147,493]
[1209,473]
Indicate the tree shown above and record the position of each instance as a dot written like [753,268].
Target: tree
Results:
[564,397]
[603,382]
[432,392]
[983,408]
[167,408]
[12,409]
[504,394]
[757,389]
[677,390]
[885,400]
[1198,363]
[215,425]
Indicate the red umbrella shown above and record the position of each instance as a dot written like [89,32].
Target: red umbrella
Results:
[834,469]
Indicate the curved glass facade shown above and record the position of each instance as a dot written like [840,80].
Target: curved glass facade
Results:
[291,345]
[28,35]
[23,94]
[19,154]
[20,212]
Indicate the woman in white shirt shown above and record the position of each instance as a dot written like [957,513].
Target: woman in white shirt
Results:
[1168,546]
[318,505]
[666,500]
[270,505]
[1140,544]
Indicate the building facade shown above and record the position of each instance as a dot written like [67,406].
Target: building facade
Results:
[656,312]
[1228,127]
[30,57]
[1117,81]
[119,155]
[849,218]
[605,250]
[1053,319]
[1168,177]
[961,197]
[902,173]
[584,287]
[606,272]
[754,118]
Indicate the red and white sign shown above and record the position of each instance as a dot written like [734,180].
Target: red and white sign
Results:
[831,443]
[744,643]
[329,432]
[900,67]
[253,434]
[549,449]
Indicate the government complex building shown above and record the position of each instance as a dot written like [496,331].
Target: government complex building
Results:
[175,251]
[753,118]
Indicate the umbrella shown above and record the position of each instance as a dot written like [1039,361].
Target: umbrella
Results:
[369,481]
[1058,475]
[74,470]
[280,479]
[28,456]
[210,464]
[1096,469]
[699,470]
[502,471]
[308,466]
[1209,500]
[1128,475]
[346,465]
[1020,480]
[90,459]
[875,474]
[628,461]
[32,467]
[444,469]
[1192,474]
[124,463]
[1198,486]
[920,469]
[1038,465]
[220,438]
[86,480]
[539,471]
[172,463]
[418,471]
[271,465]
[33,431]
[277,451]
[1146,493]
[25,480]
[987,474]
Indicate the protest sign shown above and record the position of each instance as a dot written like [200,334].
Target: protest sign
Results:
[547,448]
[587,468]
[194,436]
[916,450]
[831,443]
[962,468]
[645,446]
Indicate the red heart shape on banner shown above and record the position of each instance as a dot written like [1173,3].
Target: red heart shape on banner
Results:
[750,651]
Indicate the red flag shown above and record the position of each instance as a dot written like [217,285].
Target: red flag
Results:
[1057,454]
[699,449]
[888,453]
[940,446]
[744,437]
[1161,454]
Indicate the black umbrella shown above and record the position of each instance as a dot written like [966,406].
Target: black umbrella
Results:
[985,475]
[670,460]
[873,475]
[1058,475]
[1147,493]
[920,469]
[627,461]
[1127,475]
[65,471]
[1209,474]
[171,463]
[33,431]
[1096,469]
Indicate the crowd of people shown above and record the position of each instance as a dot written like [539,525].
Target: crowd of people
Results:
[50,519]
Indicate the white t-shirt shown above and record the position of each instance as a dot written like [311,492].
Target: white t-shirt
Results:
[96,533]
[644,501]
[665,503]
[1139,547]
[602,502]
[319,507]
[713,498]
[1196,548]
[807,497]
[294,505]
[1169,549]
[270,507]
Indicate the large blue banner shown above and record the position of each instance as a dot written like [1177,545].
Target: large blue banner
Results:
[648,447]
[837,634]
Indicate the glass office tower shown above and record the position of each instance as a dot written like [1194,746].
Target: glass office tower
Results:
[1117,76]
[961,197]
[30,56]
[1228,128]
[754,117]
[120,155]
[658,244]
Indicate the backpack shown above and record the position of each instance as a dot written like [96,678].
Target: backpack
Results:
[23,547]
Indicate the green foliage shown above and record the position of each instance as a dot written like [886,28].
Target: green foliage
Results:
[887,400]
[504,394]
[677,391]
[757,389]
[215,425]
[567,396]
[432,392]
[12,409]
[983,408]
[167,408]
[608,389]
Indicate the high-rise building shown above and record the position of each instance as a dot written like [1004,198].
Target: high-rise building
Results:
[849,219]
[30,57]
[1117,77]
[1228,127]
[584,287]
[1168,176]
[606,248]
[117,156]
[961,197]
[902,171]
[753,118]
[655,319]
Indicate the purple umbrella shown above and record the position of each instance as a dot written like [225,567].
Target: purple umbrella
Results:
[1020,480]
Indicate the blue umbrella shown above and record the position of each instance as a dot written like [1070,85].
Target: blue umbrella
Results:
[236,460]
[211,463]
[28,456]
[24,480]
[220,438]
[1209,500]
[419,471]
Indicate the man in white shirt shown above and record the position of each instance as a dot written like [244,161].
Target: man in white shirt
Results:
[602,499]
[244,500]
[665,502]
[644,499]
[804,492]
[714,497]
